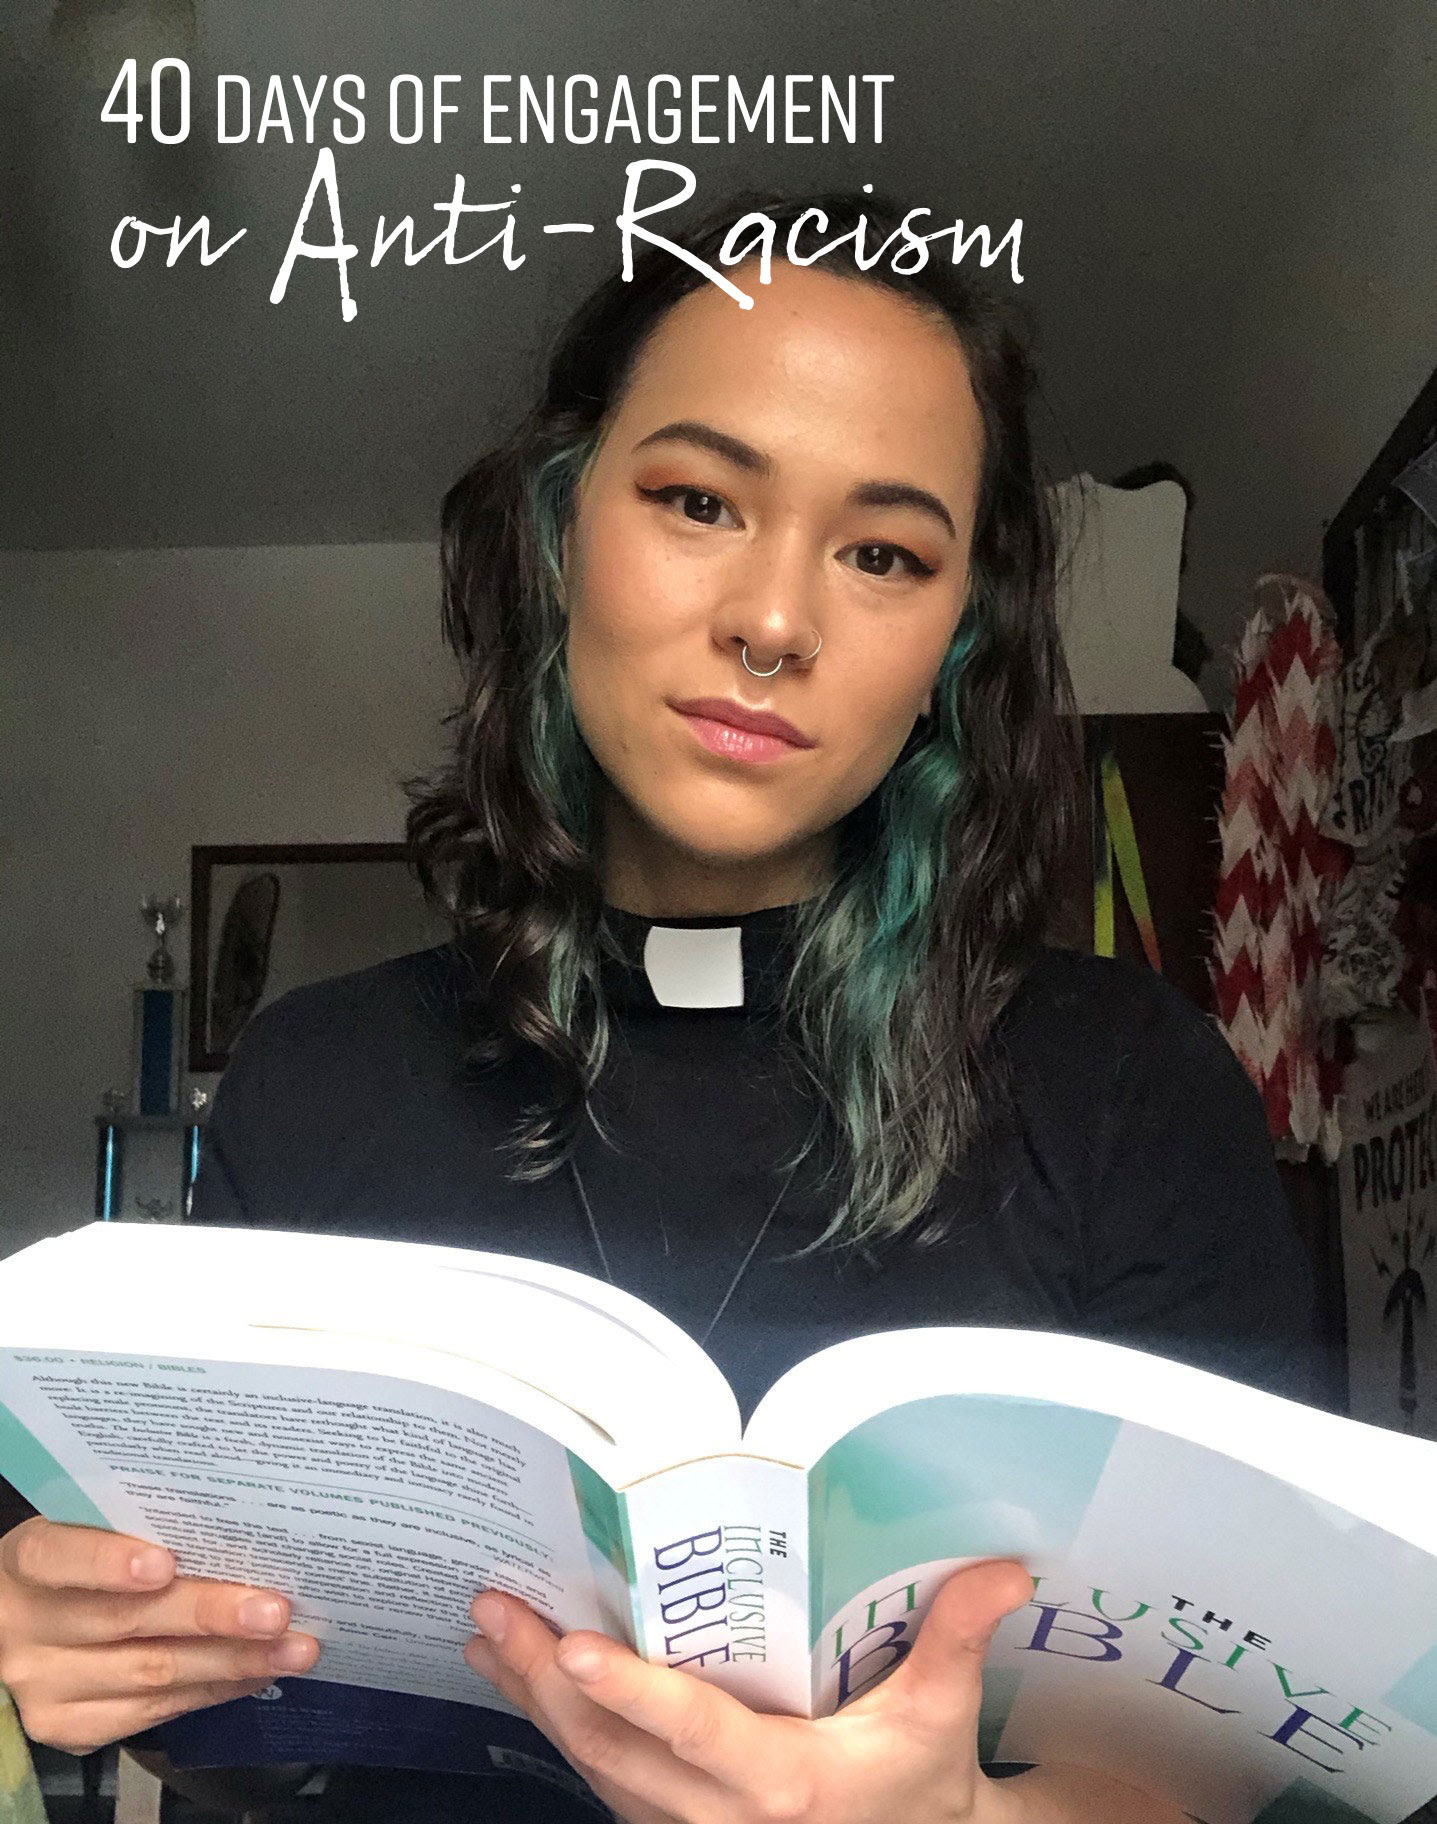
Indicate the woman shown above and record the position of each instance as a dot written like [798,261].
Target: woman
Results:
[759,795]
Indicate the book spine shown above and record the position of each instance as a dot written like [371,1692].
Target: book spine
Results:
[720,1555]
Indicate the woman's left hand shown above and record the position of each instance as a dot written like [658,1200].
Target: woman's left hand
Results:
[663,1747]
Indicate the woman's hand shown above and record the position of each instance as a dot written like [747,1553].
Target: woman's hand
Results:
[100,1639]
[660,1746]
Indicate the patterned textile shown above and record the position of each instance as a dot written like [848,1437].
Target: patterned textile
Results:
[20,1801]
[1278,869]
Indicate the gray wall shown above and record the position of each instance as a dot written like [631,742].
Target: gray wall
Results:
[1333,332]
[153,700]
[1227,224]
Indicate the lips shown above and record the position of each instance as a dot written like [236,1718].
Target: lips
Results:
[738,715]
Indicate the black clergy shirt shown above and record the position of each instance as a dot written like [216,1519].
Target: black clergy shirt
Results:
[1129,1193]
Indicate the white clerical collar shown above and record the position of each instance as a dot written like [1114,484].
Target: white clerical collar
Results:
[695,966]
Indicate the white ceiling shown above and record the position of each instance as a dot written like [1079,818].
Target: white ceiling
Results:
[1214,196]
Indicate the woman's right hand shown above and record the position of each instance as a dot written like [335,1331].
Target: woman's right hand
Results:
[100,1639]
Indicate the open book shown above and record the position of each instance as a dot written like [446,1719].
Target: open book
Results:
[1235,1599]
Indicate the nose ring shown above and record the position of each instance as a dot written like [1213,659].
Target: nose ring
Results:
[810,657]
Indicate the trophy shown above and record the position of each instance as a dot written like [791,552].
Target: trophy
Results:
[159,1015]
[162,916]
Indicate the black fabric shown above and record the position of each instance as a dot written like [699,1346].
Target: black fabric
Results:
[1130,1193]
[369,1795]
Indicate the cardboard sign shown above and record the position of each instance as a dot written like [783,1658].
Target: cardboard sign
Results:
[1387,1176]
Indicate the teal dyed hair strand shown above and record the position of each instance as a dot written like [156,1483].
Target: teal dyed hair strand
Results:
[862,945]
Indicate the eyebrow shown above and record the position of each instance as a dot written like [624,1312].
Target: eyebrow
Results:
[744,456]
[733,449]
[902,494]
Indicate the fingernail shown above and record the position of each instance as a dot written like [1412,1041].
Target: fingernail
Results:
[582,1663]
[292,1653]
[153,1565]
[490,1618]
[261,1614]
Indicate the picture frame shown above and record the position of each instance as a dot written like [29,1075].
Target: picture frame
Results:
[269,916]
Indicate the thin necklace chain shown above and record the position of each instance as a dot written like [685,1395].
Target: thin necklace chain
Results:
[743,1265]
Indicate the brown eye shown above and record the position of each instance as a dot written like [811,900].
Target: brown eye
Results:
[703,507]
[884,560]
[696,504]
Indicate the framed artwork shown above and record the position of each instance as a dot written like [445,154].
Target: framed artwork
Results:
[268,917]
[242,957]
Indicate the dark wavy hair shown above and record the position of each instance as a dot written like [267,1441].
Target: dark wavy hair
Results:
[943,876]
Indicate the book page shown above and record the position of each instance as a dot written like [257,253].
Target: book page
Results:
[593,1365]
[1377,1475]
[379,1506]
[1198,1627]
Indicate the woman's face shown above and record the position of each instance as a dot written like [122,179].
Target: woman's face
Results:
[804,471]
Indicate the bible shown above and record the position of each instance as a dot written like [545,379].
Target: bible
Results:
[1234,1595]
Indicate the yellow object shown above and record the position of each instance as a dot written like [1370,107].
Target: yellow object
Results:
[20,1801]
[1115,839]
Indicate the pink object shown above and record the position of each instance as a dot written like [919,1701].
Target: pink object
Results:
[1277,869]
